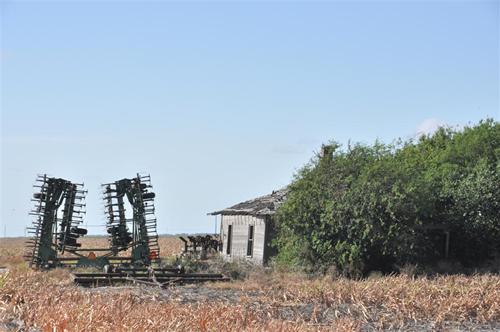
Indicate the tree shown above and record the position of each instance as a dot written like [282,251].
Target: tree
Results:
[368,207]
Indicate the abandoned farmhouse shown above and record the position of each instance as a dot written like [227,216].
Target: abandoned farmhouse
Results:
[246,229]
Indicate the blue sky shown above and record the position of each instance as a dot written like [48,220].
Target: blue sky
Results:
[222,102]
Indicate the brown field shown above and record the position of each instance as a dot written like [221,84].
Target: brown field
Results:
[270,301]
[12,249]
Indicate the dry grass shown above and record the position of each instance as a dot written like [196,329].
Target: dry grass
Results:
[266,301]
[392,300]
[12,249]
[169,245]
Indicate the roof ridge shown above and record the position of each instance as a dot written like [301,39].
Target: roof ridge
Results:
[262,205]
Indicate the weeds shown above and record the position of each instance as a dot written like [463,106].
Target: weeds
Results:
[266,301]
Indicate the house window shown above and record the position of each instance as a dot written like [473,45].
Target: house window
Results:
[250,240]
[229,239]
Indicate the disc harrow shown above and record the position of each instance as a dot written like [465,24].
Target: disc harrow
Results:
[131,225]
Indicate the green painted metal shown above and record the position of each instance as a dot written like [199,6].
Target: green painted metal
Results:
[138,233]
[59,208]
[54,230]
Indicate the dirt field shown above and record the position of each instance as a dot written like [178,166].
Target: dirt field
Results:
[272,301]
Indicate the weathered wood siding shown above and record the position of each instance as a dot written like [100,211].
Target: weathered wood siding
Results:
[240,227]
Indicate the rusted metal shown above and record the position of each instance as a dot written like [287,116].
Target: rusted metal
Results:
[201,245]
[153,277]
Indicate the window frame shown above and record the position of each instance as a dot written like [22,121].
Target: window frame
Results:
[229,239]
[251,240]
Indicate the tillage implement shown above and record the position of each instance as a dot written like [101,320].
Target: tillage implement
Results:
[133,254]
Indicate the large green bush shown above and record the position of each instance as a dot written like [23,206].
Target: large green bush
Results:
[374,207]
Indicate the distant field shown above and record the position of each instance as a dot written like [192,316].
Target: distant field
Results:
[265,301]
[12,249]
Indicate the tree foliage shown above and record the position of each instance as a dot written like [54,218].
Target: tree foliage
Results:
[374,207]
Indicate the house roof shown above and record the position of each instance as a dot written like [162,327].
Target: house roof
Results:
[260,206]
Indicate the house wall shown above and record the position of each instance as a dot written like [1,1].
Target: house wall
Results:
[240,230]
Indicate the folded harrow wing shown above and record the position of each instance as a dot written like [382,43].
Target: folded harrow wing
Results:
[137,233]
[55,229]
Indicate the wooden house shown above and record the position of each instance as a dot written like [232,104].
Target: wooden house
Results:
[247,228]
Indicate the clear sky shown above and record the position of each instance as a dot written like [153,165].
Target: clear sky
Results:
[222,102]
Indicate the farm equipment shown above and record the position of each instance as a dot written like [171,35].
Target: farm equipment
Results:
[133,254]
[201,245]
[161,277]
[55,231]
[139,232]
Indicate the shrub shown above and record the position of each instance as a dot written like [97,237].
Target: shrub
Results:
[372,207]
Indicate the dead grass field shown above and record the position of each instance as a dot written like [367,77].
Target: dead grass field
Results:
[48,301]
[12,249]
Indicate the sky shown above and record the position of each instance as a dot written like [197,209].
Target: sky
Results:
[224,101]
